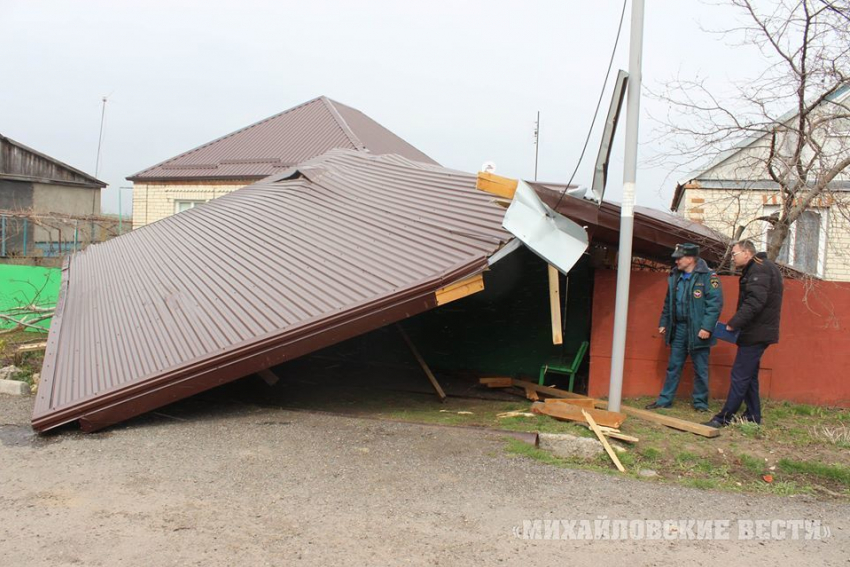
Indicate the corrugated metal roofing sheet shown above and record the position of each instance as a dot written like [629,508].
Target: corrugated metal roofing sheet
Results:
[285,139]
[343,244]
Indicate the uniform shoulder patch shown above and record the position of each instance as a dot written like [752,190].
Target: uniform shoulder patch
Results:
[714,280]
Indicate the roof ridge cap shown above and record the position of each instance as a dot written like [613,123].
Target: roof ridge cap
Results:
[352,137]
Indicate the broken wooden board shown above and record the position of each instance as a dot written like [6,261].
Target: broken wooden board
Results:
[31,347]
[431,378]
[608,449]
[459,289]
[496,184]
[614,434]
[531,395]
[574,413]
[669,421]
[268,377]
[672,422]
[555,305]
[549,391]
[496,382]
[588,403]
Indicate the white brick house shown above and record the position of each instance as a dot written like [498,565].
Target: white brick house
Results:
[735,191]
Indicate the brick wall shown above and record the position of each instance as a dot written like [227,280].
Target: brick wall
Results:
[725,209]
[155,201]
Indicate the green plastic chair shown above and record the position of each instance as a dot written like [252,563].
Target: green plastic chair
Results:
[561,369]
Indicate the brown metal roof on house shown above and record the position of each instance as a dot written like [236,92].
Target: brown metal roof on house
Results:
[343,244]
[281,141]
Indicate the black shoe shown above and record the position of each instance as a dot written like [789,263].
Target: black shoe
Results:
[656,405]
[715,424]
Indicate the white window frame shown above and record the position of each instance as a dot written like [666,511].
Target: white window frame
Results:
[768,210]
[194,203]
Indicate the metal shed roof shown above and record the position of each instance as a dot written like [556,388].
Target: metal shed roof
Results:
[343,244]
[281,141]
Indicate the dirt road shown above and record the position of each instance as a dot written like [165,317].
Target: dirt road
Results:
[223,484]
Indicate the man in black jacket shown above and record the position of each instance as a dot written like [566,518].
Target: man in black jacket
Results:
[757,320]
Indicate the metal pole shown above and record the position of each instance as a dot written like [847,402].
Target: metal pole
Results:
[120,212]
[536,144]
[627,213]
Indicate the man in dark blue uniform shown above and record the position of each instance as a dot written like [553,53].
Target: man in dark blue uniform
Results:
[691,309]
[757,320]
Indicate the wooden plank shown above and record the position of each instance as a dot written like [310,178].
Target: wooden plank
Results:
[669,421]
[428,373]
[531,395]
[589,403]
[497,382]
[496,184]
[555,305]
[459,289]
[268,377]
[620,436]
[602,440]
[575,413]
[31,347]
[672,422]
[548,390]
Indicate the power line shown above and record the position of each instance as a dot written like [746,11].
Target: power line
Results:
[598,103]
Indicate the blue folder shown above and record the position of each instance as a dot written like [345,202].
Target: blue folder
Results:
[721,333]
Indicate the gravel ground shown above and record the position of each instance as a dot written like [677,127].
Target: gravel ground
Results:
[226,484]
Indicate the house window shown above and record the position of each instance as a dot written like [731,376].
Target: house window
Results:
[180,206]
[805,246]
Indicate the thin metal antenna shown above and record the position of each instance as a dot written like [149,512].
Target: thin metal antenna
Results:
[536,143]
[100,138]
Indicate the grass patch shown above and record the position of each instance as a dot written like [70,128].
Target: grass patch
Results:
[752,464]
[836,473]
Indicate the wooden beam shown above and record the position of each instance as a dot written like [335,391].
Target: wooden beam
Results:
[268,377]
[575,413]
[673,422]
[497,382]
[531,395]
[588,403]
[496,184]
[428,373]
[555,305]
[459,289]
[549,391]
[31,347]
[604,441]
[620,436]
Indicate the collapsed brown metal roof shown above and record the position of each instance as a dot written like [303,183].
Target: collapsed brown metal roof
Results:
[282,141]
[343,244]
[656,233]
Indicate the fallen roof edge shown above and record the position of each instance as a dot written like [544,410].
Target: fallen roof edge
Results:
[101,409]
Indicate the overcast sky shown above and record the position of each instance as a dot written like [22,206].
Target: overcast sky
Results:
[460,80]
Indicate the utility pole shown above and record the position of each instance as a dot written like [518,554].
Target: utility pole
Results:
[536,143]
[100,138]
[627,213]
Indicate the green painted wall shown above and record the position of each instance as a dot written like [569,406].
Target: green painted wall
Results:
[503,330]
[21,285]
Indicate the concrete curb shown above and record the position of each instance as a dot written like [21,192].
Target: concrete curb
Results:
[14,388]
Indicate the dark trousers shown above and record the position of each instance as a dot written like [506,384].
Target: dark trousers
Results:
[744,386]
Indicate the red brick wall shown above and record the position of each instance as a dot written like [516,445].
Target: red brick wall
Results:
[810,364]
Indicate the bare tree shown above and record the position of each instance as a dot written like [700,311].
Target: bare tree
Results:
[789,127]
